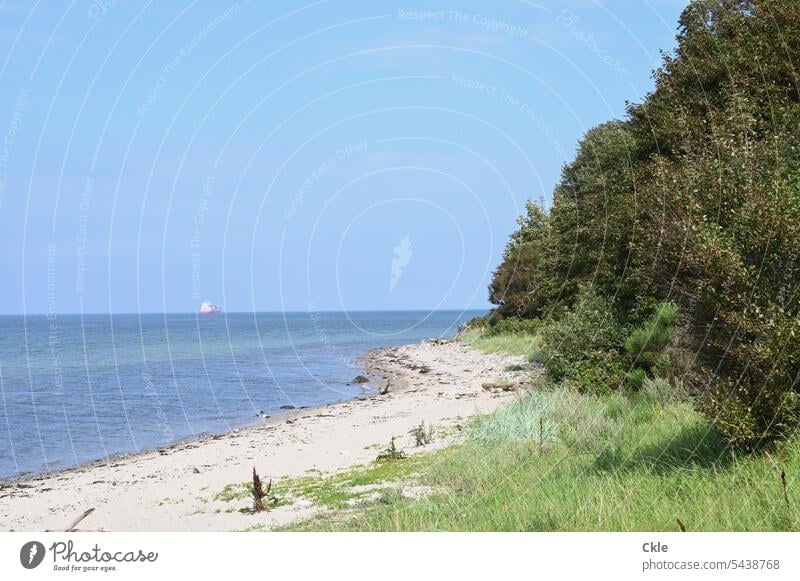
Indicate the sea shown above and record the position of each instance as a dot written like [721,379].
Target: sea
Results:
[77,388]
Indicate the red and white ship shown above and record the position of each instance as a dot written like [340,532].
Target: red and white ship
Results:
[208,309]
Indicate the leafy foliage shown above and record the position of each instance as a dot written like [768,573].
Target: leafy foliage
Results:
[647,345]
[692,199]
[584,345]
[512,326]
[518,285]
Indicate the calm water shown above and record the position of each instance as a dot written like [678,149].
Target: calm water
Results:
[77,390]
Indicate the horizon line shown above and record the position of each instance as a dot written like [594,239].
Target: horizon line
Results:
[267,312]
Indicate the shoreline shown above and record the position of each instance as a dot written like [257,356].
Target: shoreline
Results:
[176,487]
[279,416]
[367,361]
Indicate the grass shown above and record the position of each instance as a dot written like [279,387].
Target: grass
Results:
[240,491]
[344,489]
[337,491]
[522,344]
[233,492]
[625,463]
[528,420]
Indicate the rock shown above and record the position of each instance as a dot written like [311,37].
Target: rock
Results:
[288,407]
[195,471]
[361,379]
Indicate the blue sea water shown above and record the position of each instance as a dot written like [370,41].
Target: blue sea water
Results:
[75,389]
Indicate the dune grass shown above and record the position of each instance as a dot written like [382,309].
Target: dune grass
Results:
[332,491]
[522,344]
[625,463]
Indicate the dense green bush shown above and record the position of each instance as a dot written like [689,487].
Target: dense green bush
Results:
[475,324]
[511,326]
[489,326]
[693,198]
[583,345]
[648,345]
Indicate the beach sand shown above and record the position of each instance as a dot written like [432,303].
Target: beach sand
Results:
[174,488]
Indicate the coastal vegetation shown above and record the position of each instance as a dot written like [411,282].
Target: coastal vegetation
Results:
[658,292]
[562,460]
[670,249]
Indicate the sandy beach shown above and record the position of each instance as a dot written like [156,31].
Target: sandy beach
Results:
[174,488]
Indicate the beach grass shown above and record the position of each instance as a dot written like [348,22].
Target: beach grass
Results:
[333,491]
[521,344]
[350,487]
[558,460]
[626,464]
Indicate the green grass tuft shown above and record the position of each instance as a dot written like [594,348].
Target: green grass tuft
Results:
[522,344]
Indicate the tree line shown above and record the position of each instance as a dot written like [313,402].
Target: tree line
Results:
[671,247]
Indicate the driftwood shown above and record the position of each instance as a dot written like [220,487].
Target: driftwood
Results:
[77,521]
[505,385]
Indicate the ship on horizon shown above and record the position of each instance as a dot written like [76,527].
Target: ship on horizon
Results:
[207,308]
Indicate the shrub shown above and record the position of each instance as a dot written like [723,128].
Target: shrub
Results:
[749,414]
[636,377]
[599,376]
[479,323]
[648,345]
[492,326]
[583,345]
[513,326]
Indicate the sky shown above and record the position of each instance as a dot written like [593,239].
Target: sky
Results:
[270,156]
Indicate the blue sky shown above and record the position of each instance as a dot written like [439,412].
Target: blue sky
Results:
[325,155]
